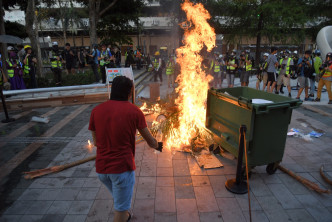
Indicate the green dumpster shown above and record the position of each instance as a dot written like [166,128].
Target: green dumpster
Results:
[267,123]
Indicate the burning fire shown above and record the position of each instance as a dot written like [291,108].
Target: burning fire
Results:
[90,146]
[154,109]
[193,81]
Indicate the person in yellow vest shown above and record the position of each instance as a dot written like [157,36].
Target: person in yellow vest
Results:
[326,78]
[231,64]
[104,61]
[286,70]
[29,74]
[157,67]
[14,70]
[170,72]
[215,70]
[56,64]
[246,65]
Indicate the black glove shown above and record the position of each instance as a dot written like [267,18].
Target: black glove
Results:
[160,147]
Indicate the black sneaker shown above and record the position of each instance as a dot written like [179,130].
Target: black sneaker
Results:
[289,95]
[311,95]
[276,92]
[317,100]
[282,92]
[307,99]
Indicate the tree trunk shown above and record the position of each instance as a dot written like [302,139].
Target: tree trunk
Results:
[32,30]
[94,7]
[3,32]
[258,40]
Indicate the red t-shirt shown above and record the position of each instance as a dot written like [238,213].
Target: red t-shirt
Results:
[115,124]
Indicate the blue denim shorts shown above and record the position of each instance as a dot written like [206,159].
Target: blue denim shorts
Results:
[121,187]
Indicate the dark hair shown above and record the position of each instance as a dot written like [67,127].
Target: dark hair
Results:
[273,48]
[121,88]
[308,52]
[67,44]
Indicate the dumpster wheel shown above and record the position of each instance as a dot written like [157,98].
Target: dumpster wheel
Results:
[271,168]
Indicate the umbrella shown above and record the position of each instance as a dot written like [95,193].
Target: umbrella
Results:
[10,39]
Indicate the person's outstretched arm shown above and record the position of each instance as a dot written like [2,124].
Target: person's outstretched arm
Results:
[152,142]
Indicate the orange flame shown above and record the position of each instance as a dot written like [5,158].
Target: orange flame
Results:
[90,146]
[193,81]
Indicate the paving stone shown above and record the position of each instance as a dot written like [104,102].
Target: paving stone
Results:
[49,194]
[194,168]
[39,207]
[205,198]
[10,218]
[87,193]
[143,210]
[215,172]
[67,194]
[31,218]
[184,188]
[186,210]
[53,218]
[256,215]
[30,194]
[165,181]
[179,156]
[59,207]
[149,154]
[80,207]
[92,182]
[165,217]
[286,198]
[229,169]
[315,208]
[93,173]
[104,193]
[100,211]
[228,204]
[200,181]
[270,178]
[299,215]
[181,167]
[233,217]
[75,182]
[210,217]
[258,187]
[15,194]
[243,202]
[165,199]
[218,185]
[296,168]
[273,209]
[74,218]
[19,207]
[164,162]
[165,171]
[292,185]
[41,183]
[146,188]
[148,168]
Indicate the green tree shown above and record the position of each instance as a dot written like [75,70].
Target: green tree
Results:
[278,20]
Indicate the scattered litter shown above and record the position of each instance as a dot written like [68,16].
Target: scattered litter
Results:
[227,93]
[315,134]
[40,119]
[296,133]
[208,160]
[260,101]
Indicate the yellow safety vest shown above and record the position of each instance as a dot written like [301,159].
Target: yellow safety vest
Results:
[26,69]
[102,62]
[216,67]
[156,63]
[55,63]
[287,66]
[170,69]
[231,62]
[10,71]
[327,73]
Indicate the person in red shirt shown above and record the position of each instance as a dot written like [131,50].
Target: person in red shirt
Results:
[113,125]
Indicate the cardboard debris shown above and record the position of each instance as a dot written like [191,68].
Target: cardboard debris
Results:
[40,119]
[208,160]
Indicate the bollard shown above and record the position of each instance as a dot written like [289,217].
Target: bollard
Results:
[238,185]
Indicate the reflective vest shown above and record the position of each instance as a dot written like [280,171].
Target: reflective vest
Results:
[287,66]
[328,73]
[106,55]
[10,70]
[26,69]
[55,63]
[248,67]
[169,69]
[216,67]
[156,63]
[231,62]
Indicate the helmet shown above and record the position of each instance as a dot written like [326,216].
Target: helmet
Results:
[27,47]
[54,43]
[10,48]
[157,53]
[220,56]
[266,54]
[234,50]
[287,51]
[329,55]
[248,51]
[295,52]
[317,52]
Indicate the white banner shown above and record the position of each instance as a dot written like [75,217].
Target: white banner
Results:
[111,73]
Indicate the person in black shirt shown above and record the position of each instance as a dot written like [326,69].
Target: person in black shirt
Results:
[117,57]
[68,56]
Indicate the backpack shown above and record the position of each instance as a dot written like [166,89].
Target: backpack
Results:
[309,71]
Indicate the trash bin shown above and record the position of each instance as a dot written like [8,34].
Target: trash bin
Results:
[267,123]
